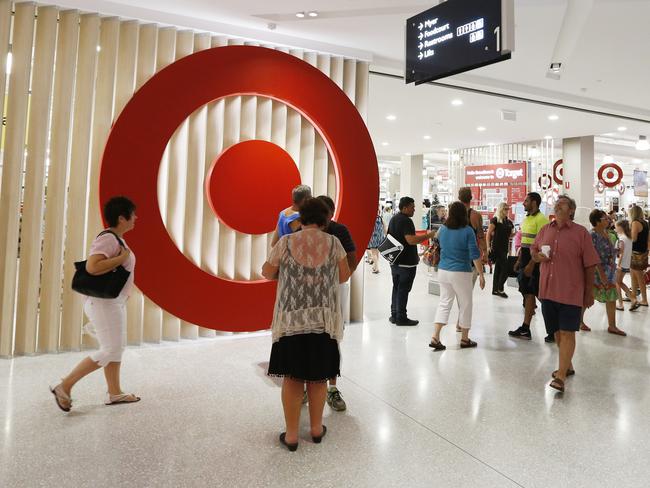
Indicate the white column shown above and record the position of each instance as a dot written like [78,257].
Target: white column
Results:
[411,183]
[578,155]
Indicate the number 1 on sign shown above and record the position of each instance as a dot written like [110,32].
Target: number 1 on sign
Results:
[497,32]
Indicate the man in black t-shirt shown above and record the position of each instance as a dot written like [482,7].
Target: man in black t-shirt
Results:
[341,232]
[403,269]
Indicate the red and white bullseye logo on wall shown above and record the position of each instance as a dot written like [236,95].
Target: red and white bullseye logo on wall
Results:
[610,174]
[558,172]
[248,184]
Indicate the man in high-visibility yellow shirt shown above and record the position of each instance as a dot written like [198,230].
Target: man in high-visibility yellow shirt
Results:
[528,269]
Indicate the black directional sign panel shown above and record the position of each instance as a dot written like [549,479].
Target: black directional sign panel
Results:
[456,36]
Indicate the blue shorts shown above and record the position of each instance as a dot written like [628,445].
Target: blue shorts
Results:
[559,316]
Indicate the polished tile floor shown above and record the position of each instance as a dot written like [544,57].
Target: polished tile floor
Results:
[479,418]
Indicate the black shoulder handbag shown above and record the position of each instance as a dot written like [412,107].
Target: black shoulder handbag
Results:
[107,285]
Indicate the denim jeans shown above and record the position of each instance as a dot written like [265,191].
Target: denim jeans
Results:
[402,283]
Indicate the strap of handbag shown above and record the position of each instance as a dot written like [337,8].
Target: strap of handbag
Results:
[120,241]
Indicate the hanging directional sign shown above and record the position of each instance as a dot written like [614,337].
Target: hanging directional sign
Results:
[457,36]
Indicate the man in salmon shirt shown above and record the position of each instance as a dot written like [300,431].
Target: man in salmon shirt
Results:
[568,264]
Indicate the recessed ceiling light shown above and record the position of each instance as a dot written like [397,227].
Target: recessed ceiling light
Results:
[313,14]
[391,117]
[457,102]
[424,172]
[480,128]
[384,144]
[407,154]
[491,144]
[553,117]
[300,15]
[446,149]
[426,138]
[622,129]
[548,137]
[387,174]
[99,48]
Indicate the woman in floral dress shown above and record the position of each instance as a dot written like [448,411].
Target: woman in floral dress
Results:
[605,285]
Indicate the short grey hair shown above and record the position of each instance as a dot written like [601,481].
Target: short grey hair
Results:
[572,205]
[299,193]
[572,202]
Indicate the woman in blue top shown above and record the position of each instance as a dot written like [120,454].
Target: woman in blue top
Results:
[458,249]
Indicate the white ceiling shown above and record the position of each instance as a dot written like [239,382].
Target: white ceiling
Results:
[606,71]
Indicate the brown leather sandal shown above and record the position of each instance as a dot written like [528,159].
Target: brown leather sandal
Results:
[467,343]
[569,372]
[437,346]
[557,384]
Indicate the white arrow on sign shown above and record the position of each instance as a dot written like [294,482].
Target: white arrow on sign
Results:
[421,26]
[421,36]
[420,56]
[420,46]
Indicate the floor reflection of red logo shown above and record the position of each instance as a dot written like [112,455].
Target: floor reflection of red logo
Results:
[140,134]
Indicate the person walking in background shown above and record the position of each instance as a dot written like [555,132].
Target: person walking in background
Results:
[623,264]
[387,214]
[288,220]
[527,267]
[403,269]
[458,249]
[639,261]
[107,315]
[341,232]
[307,324]
[378,236]
[605,284]
[498,243]
[475,220]
[568,263]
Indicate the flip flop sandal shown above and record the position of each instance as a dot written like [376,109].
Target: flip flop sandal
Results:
[60,395]
[467,344]
[635,307]
[626,299]
[569,372]
[643,304]
[437,346]
[283,441]
[123,398]
[617,332]
[557,384]
[621,309]
[458,329]
[319,438]
[585,328]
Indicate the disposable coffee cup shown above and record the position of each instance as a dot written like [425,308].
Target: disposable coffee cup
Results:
[546,250]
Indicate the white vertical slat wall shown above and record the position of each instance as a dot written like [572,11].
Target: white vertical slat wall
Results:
[72,75]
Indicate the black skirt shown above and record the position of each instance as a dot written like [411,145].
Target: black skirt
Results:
[313,358]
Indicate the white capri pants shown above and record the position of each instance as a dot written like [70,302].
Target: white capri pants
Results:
[344,297]
[108,323]
[458,285]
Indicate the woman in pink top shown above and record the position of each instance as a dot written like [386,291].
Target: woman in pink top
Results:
[107,316]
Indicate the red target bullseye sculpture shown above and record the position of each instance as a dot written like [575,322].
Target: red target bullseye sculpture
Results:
[610,174]
[140,135]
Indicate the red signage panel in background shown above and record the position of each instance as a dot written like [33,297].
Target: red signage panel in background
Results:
[495,174]
[517,194]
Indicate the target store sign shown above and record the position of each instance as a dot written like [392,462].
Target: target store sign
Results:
[248,183]
[496,174]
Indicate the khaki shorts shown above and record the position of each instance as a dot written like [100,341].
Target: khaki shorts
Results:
[639,261]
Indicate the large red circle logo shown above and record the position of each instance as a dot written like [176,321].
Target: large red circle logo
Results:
[138,139]
[249,184]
